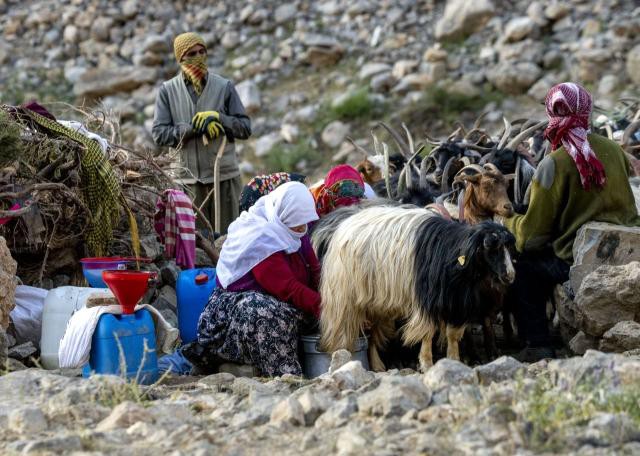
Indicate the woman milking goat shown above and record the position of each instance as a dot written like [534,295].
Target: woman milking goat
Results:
[267,286]
[585,178]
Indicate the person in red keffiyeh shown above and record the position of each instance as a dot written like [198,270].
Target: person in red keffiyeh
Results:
[584,178]
[568,107]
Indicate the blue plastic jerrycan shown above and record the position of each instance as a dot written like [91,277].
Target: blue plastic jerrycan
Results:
[193,290]
[120,341]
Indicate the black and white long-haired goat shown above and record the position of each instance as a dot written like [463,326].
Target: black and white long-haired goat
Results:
[388,263]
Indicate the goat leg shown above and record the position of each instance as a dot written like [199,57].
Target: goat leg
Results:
[454,335]
[489,336]
[426,349]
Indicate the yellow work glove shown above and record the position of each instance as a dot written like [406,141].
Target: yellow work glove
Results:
[213,128]
[200,119]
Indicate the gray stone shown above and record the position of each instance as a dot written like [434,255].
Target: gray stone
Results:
[71,34]
[57,445]
[519,28]
[338,359]
[27,421]
[314,403]
[230,39]
[334,133]
[447,372]
[395,396]
[371,69]
[285,13]
[556,11]
[95,83]
[249,94]
[156,44]
[351,443]
[3,348]
[288,411]
[123,416]
[338,414]
[169,273]
[22,351]
[265,143]
[462,17]
[514,78]
[352,375]
[606,429]
[382,82]
[607,296]
[580,343]
[624,336]
[608,84]
[633,64]
[8,268]
[101,28]
[404,67]
[535,12]
[499,370]
[217,381]
[166,299]
[290,133]
[414,81]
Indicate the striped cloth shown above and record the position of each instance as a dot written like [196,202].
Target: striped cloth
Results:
[175,223]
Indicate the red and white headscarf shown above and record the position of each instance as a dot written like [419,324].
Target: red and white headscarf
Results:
[568,107]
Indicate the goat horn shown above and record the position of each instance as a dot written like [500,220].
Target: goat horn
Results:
[401,182]
[478,148]
[480,118]
[637,116]
[609,131]
[410,139]
[626,136]
[423,173]
[358,147]
[454,135]
[460,126]
[444,183]
[525,134]
[397,138]
[376,143]
[387,180]
[408,176]
[505,136]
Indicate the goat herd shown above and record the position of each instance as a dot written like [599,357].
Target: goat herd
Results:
[389,260]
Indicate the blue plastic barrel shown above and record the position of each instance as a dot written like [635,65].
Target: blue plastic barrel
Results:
[118,336]
[193,290]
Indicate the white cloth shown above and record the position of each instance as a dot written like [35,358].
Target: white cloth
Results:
[80,128]
[27,314]
[368,192]
[264,230]
[75,346]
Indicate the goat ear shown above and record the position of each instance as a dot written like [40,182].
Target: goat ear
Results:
[510,177]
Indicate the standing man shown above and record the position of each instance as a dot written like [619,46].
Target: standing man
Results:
[198,104]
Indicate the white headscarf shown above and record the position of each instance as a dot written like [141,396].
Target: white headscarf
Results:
[264,230]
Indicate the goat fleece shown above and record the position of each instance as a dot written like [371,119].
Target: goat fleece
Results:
[388,263]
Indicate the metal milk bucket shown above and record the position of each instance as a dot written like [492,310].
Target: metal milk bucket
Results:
[316,362]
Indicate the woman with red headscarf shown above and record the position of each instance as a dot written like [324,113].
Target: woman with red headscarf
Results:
[585,178]
[343,186]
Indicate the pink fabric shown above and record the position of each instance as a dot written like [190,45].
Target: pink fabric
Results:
[343,186]
[4,220]
[568,107]
[175,223]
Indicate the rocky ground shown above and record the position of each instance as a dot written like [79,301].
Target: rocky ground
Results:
[311,72]
[587,406]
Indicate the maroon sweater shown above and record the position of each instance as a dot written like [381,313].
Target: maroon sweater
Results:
[291,278]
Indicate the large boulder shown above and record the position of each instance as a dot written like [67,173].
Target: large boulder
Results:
[514,78]
[463,17]
[608,295]
[99,82]
[600,244]
[8,267]
[624,336]
[633,64]
[249,94]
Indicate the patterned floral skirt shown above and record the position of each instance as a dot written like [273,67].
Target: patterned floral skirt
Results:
[252,328]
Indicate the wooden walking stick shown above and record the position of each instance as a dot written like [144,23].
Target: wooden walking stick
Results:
[216,186]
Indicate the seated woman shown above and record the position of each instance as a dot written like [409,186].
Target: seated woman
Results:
[262,185]
[585,178]
[267,283]
[343,186]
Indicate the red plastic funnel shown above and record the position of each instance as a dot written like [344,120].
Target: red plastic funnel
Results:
[128,286]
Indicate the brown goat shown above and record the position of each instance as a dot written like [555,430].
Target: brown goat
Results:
[370,171]
[485,193]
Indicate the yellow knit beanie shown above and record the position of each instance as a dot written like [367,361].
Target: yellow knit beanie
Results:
[183,42]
